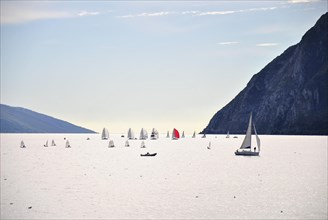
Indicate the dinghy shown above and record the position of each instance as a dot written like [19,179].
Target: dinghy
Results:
[105,134]
[67,144]
[168,134]
[246,147]
[127,143]
[143,134]
[53,143]
[175,134]
[194,135]
[143,144]
[148,154]
[22,145]
[111,144]
[46,145]
[130,134]
[183,135]
[154,134]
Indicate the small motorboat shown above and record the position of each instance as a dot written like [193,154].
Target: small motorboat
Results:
[148,154]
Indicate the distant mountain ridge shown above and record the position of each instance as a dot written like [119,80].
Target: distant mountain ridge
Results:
[288,96]
[21,120]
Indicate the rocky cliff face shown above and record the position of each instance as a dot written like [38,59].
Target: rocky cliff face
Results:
[288,96]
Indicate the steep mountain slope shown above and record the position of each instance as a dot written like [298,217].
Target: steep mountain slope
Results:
[20,120]
[288,96]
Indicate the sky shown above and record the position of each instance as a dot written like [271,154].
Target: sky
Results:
[141,64]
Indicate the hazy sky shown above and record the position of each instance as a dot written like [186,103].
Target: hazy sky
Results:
[121,64]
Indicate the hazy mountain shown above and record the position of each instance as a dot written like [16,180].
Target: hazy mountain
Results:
[288,96]
[21,120]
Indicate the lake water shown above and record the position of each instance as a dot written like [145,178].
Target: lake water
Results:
[185,180]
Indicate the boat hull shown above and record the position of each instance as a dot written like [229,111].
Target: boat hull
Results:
[247,153]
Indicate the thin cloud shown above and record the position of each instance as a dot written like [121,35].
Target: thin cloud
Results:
[266,44]
[86,13]
[301,1]
[190,12]
[228,43]
[216,13]
[196,13]
[154,14]
[235,11]
[17,16]
[14,13]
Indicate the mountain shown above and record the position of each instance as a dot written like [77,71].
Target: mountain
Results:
[288,96]
[21,120]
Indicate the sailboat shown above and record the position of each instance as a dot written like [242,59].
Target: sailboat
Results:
[130,134]
[22,145]
[183,135]
[246,147]
[175,134]
[111,143]
[204,135]
[67,144]
[127,143]
[228,135]
[143,134]
[154,134]
[143,144]
[105,134]
[168,134]
[209,145]
[194,135]
[46,145]
[53,143]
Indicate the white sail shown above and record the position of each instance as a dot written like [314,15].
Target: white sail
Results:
[111,143]
[143,134]
[168,134]
[154,134]
[22,145]
[194,135]
[183,135]
[130,134]
[67,144]
[228,135]
[143,144]
[105,134]
[248,138]
[46,145]
[53,143]
[209,145]
[258,141]
[127,143]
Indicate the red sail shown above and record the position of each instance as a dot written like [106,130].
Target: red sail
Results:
[176,133]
